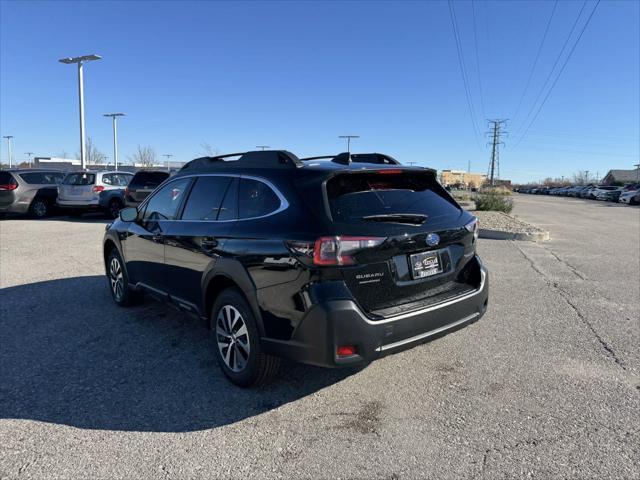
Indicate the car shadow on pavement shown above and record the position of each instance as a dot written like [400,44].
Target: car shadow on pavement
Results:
[70,356]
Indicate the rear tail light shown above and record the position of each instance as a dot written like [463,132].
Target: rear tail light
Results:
[126,192]
[340,250]
[98,189]
[346,350]
[474,227]
[390,171]
[9,187]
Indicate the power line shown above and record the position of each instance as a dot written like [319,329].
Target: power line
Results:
[465,79]
[584,27]
[553,68]
[475,39]
[535,62]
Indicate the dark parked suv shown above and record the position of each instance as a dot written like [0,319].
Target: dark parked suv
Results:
[331,261]
[142,184]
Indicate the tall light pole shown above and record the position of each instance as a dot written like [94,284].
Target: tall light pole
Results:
[115,136]
[80,61]
[29,153]
[167,156]
[637,165]
[263,147]
[348,137]
[9,137]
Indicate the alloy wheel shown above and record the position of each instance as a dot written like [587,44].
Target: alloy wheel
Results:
[39,208]
[232,338]
[116,278]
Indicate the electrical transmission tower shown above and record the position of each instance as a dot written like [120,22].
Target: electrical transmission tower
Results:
[494,165]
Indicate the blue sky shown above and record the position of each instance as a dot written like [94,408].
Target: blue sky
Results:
[296,75]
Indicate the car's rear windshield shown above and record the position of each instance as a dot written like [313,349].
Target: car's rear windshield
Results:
[7,179]
[79,179]
[148,179]
[372,196]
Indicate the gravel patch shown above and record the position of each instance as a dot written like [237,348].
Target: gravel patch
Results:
[506,223]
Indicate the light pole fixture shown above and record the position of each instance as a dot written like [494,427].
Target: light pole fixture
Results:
[168,156]
[263,147]
[29,153]
[348,137]
[80,61]
[9,137]
[115,136]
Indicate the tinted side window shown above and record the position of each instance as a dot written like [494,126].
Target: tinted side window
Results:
[256,199]
[164,204]
[205,198]
[229,207]
[36,178]
[108,179]
[122,179]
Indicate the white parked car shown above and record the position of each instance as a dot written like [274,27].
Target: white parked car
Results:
[600,192]
[85,190]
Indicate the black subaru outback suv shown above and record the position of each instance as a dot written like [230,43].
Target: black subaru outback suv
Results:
[331,261]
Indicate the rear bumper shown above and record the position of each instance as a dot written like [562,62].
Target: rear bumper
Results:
[79,204]
[15,207]
[341,322]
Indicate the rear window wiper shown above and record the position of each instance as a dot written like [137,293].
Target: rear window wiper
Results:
[411,218]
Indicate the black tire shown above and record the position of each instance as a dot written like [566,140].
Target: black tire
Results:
[118,281]
[113,210]
[39,208]
[253,367]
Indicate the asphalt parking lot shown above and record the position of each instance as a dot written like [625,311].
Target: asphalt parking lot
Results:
[546,385]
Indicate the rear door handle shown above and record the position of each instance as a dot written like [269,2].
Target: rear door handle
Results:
[209,243]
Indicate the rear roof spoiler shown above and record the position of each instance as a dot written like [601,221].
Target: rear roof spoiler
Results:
[346,158]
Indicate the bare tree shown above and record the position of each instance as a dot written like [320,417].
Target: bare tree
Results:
[209,150]
[93,155]
[63,154]
[580,177]
[144,156]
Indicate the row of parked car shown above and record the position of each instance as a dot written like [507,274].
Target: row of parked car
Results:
[40,192]
[629,194]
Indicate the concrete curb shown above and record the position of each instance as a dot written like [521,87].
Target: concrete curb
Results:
[503,235]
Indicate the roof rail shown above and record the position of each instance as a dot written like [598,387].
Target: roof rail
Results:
[347,158]
[252,159]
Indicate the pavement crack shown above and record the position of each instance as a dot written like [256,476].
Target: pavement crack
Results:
[571,268]
[610,352]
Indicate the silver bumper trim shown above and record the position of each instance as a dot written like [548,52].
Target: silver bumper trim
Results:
[399,343]
[483,278]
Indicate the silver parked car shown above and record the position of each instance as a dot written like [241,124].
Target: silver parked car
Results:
[85,191]
[29,191]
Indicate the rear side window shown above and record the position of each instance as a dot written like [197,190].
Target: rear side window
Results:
[354,197]
[164,204]
[256,199]
[205,198]
[148,179]
[79,179]
[41,178]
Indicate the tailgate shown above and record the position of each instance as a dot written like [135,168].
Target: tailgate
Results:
[77,186]
[427,244]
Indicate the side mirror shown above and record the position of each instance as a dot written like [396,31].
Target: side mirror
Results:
[129,214]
